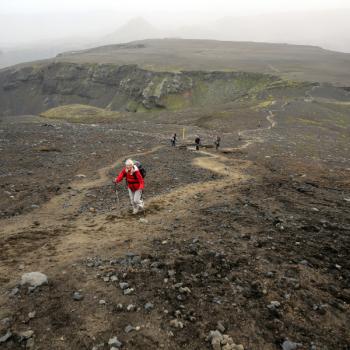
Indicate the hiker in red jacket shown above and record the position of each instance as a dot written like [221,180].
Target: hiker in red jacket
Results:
[135,184]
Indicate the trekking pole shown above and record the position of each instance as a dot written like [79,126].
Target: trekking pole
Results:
[117,202]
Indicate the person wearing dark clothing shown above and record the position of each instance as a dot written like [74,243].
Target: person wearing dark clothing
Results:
[197,141]
[217,142]
[173,140]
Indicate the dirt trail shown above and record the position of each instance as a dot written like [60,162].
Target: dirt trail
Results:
[227,168]
[60,213]
[69,236]
[101,232]
[255,135]
[65,205]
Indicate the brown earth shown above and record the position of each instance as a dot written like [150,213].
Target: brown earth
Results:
[257,222]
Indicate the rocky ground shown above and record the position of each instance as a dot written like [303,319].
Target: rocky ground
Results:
[246,248]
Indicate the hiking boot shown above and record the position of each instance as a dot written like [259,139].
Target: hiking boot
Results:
[135,211]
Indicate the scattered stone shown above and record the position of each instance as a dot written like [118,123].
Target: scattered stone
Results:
[289,345]
[128,291]
[274,305]
[220,327]
[80,176]
[185,290]
[217,300]
[92,210]
[31,315]
[131,307]
[130,254]
[26,334]
[119,307]
[313,346]
[129,328]
[171,273]
[136,260]
[14,292]
[176,323]
[77,296]
[115,342]
[156,265]
[144,221]
[102,302]
[114,278]
[123,285]
[222,342]
[148,306]
[34,279]
[96,347]
[6,321]
[6,337]
[215,338]
[106,279]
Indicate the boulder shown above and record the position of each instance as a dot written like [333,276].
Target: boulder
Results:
[34,279]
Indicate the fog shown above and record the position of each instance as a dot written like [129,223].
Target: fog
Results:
[36,29]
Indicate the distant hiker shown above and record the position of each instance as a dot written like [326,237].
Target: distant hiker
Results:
[197,141]
[135,183]
[173,140]
[217,142]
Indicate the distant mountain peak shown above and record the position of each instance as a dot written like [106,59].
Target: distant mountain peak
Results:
[138,21]
[136,28]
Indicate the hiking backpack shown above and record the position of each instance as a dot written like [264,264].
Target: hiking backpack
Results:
[141,168]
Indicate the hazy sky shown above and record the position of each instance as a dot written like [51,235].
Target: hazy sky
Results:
[232,6]
[26,23]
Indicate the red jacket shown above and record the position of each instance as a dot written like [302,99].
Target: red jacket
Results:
[135,181]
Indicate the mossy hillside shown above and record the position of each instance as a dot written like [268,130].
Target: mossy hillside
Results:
[207,89]
[176,102]
[125,88]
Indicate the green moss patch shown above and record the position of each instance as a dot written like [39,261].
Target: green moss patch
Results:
[77,113]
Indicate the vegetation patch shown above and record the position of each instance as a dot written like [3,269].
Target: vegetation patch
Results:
[77,113]
[264,105]
[175,102]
